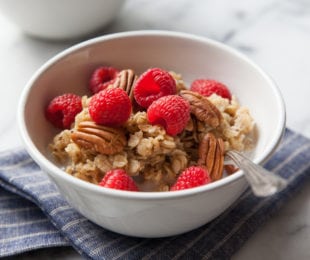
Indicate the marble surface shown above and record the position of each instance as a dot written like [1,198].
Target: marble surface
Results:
[273,33]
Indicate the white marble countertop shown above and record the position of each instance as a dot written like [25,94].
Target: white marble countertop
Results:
[273,33]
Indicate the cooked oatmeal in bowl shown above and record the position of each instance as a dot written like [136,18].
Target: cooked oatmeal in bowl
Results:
[151,155]
[114,161]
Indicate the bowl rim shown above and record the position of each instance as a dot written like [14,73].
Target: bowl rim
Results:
[45,164]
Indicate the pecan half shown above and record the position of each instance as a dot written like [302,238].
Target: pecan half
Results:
[97,138]
[126,80]
[230,169]
[211,155]
[202,108]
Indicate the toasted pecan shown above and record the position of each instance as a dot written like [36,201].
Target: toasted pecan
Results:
[230,169]
[126,80]
[202,108]
[98,138]
[211,155]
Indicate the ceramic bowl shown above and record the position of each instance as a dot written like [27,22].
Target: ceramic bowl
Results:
[60,19]
[150,214]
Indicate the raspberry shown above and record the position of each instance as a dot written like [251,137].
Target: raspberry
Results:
[118,179]
[101,78]
[153,84]
[207,87]
[191,177]
[62,110]
[110,107]
[172,112]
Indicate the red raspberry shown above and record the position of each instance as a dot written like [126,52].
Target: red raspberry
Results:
[207,87]
[101,78]
[62,110]
[118,179]
[153,84]
[110,107]
[172,112]
[191,177]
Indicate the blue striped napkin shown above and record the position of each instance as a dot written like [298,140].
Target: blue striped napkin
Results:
[34,215]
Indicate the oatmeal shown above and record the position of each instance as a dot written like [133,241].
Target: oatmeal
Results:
[153,152]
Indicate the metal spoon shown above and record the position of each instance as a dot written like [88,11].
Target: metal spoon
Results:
[263,183]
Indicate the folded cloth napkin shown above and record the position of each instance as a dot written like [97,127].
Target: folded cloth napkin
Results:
[34,215]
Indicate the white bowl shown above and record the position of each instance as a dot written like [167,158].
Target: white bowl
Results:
[60,19]
[150,214]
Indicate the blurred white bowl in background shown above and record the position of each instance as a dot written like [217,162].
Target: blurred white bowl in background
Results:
[60,19]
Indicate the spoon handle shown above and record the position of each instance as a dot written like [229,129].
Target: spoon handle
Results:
[263,183]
